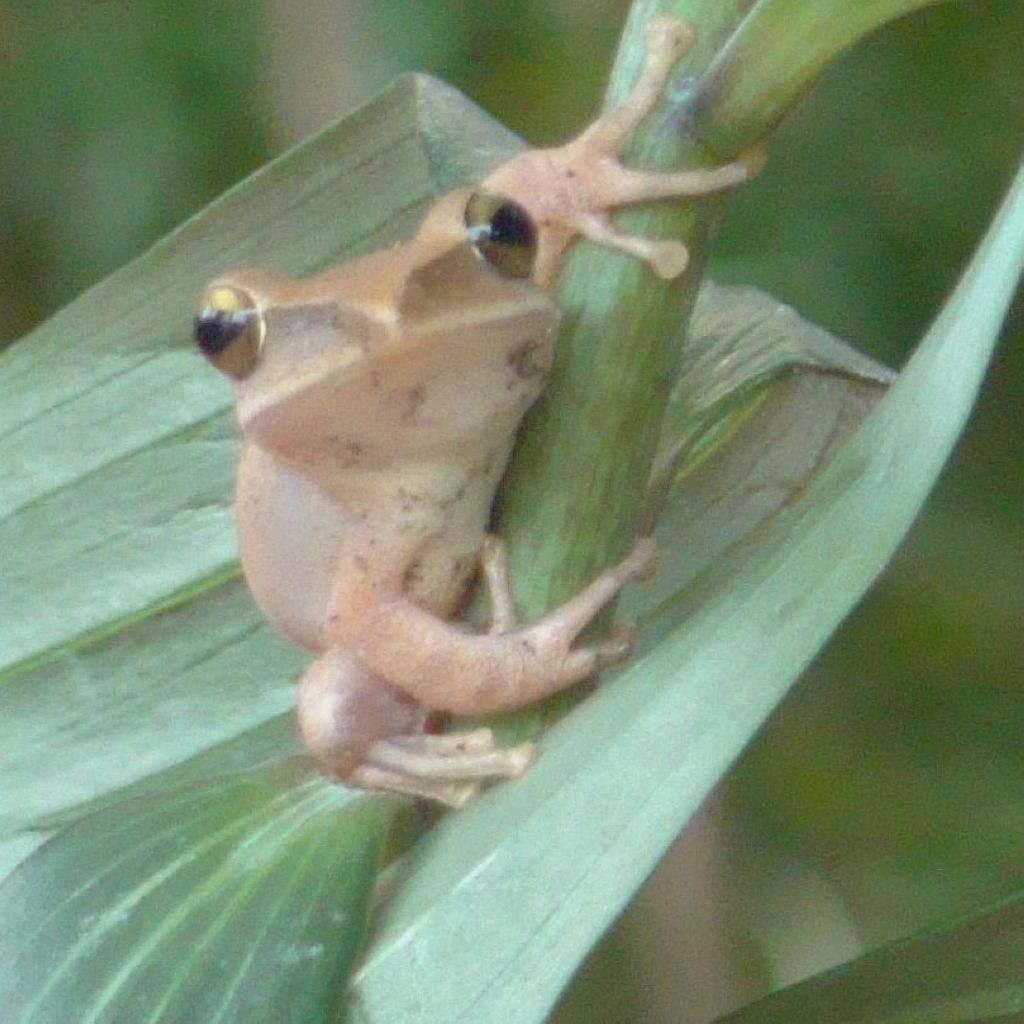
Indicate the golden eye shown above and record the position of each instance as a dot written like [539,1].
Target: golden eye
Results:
[229,331]
[502,232]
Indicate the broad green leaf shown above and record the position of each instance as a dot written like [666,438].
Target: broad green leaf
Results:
[970,971]
[242,898]
[500,903]
[128,644]
[130,654]
[763,399]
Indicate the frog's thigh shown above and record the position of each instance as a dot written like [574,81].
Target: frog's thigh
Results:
[343,709]
[445,668]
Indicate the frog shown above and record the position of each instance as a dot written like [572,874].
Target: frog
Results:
[379,402]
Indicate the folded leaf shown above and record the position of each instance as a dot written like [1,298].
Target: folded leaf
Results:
[502,901]
[243,898]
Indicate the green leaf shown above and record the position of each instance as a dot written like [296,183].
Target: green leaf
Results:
[502,901]
[970,971]
[776,52]
[132,660]
[128,643]
[763,400]
[240,899]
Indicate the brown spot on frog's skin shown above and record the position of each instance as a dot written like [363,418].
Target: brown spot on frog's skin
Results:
[347,452]
[465,567]
[410,500]
[342,325]
[414,575]
[457,496]
[414,399]
[530,359]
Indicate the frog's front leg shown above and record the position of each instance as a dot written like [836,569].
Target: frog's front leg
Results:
[573,189]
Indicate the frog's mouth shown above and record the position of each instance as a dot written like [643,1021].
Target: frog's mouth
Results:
[318,362]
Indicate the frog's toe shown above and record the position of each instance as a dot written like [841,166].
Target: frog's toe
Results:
[617,646]
[475,741]
[442,791]
[440,757]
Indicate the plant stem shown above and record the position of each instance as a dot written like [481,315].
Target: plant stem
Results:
[575,490]
[576,486]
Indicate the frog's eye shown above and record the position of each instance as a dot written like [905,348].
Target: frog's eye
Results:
[229,331]
[502,232]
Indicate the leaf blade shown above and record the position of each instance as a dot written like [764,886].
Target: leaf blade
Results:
[971,970]
[572,825]
[243,898]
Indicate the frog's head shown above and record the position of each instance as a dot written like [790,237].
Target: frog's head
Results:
[291,348]
[313,359]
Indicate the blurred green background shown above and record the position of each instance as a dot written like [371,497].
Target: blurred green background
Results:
[888,792]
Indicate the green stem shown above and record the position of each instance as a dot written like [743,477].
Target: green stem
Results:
[575,489]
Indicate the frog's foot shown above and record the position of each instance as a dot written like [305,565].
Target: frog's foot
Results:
[571,618]
[381,780]
[639,564]
[573,189]
[556,633]
[448,768]
[549,641]
[666,39]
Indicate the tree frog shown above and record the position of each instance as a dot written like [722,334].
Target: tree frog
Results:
[378,403]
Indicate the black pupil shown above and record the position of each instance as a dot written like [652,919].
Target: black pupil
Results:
[215,329]
[511,226]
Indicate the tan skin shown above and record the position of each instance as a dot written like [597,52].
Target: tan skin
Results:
[378,403]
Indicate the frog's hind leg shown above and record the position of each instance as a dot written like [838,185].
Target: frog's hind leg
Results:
[476,741]
[369,735]
[451,794]
[450,767]
[454,756]
[494,563]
